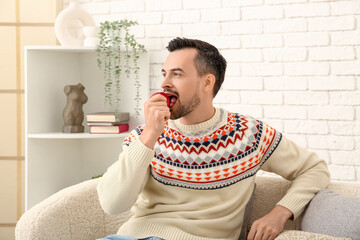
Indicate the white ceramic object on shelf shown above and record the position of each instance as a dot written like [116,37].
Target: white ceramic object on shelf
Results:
[67,17]
[91,36]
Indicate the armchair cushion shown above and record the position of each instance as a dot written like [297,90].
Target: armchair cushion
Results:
[301,235]
[334,214]
[72,213]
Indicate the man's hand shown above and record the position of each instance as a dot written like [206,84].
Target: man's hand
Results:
[271,225]
[156,114]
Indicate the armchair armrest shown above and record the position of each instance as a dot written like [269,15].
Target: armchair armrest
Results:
[296,235]
[72,213]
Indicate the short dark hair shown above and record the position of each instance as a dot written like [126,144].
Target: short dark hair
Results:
[207,60]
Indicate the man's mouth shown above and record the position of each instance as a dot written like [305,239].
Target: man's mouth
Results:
[173,98]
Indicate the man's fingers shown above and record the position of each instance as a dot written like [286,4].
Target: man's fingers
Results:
[167,115]
[156,105]
[267,235]
[272,237]
[251,234]
[257,232]
[259,235]
[159,108]
[261,232]
[159,111]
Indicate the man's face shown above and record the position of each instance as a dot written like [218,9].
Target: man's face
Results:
[181,80]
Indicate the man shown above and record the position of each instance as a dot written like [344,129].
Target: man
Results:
[189,172]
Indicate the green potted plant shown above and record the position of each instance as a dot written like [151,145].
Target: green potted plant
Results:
[117,55]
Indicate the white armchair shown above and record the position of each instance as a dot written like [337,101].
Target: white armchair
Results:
[75,213]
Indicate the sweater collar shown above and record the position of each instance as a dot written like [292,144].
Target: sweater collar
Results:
[219,119]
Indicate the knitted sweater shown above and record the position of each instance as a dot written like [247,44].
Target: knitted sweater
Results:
[196,182]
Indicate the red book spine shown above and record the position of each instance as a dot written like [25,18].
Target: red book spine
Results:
[123,128]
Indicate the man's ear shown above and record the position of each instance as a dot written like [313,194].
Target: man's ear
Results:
[209,82]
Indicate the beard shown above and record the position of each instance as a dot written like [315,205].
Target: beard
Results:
[186,108]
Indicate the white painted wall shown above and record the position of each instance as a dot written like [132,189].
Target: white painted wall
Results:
[292,63]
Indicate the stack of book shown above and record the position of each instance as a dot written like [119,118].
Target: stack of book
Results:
[108,122]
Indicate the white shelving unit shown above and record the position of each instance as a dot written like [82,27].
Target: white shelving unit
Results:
[55,160]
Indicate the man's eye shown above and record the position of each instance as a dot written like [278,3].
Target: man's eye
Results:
[177,74]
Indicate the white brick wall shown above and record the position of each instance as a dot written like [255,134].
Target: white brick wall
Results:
[307,39]
[331,83]
[292,63]
[241,27]
[262,12]
[331,53]
[307,10]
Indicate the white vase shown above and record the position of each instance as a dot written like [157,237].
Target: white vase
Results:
[67,17]
[91,36]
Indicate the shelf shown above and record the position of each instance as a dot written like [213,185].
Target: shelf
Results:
[56,160]
[59,135]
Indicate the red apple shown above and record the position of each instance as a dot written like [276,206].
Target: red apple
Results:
[167,97]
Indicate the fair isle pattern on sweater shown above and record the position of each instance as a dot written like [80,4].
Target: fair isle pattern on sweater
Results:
[231,153]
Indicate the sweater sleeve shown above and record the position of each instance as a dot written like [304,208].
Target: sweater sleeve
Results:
[121,184]
[308,174]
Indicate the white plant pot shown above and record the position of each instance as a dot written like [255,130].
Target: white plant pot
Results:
[91,36]
[91,42]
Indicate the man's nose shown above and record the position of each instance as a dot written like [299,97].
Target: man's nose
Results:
[166,83]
